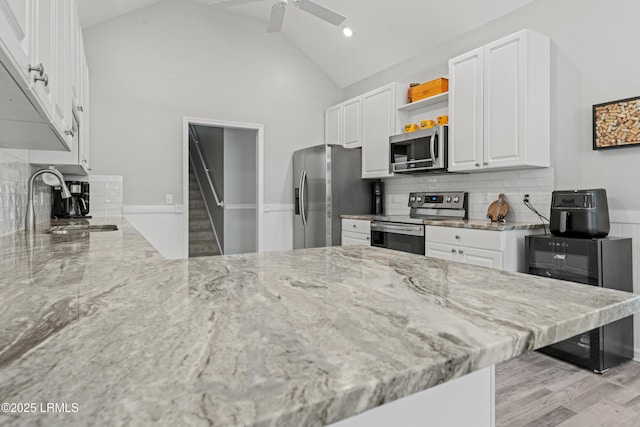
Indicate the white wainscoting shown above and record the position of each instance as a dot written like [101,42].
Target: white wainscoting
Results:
[627,224]
[278,227]
[162,226]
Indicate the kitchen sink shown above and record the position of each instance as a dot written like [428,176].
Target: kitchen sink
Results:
[80,228]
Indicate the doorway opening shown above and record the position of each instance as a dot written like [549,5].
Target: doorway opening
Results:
[222,186]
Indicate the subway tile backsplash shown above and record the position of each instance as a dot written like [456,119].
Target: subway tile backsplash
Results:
[106,196]
[483,188]
[15,172]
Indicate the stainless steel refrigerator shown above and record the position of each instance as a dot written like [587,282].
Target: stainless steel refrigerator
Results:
[327,183]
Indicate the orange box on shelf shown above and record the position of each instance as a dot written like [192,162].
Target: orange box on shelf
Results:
[443,120]
[425,90]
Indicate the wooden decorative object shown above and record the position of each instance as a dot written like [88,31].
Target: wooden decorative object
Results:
[498,210]
[616,123]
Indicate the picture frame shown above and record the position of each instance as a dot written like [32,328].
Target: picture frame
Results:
[616,123]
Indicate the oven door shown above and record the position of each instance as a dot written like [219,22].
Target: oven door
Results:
[397,236]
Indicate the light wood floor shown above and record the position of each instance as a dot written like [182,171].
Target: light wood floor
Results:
[535,390]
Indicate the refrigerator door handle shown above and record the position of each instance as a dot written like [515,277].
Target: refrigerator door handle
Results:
[303,182]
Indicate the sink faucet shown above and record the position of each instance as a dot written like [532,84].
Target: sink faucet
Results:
[30,223]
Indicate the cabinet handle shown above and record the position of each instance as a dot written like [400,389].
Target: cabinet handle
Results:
[354,226]
[80,108]
[453,251]
[368,238]
[457,237]
[486,163]
[69,132]
[477,165]
[460,251]
[38,68]
[44,80]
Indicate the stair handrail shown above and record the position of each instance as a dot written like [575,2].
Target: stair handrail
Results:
[219,202]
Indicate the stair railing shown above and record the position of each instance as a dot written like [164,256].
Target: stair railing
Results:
[201,164]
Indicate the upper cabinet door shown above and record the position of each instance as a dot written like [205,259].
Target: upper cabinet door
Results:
[60,80]
[332,125]
[15,32]
[42,51]
[378,124]
[466,111]
[352,123]
[505,101]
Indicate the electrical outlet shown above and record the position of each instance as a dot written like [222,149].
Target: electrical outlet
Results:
[168,198]
[526,198]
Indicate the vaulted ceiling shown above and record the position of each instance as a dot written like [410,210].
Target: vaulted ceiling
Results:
[385,32]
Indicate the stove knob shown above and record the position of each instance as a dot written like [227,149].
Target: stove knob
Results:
[419,199]
[448,199]
[456,199]
[412,199]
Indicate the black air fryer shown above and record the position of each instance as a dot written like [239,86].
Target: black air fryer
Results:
[75,206]
[579,213]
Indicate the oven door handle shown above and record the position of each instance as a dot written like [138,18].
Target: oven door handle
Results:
[407,230]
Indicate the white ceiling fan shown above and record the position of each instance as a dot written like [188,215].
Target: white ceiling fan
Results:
[279,8]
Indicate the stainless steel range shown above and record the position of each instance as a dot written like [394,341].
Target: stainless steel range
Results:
[406,232]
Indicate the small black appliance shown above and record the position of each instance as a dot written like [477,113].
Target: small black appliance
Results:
[377,196]
[75,206]
[580,213]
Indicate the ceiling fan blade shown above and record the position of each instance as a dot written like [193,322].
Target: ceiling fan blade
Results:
[277,17]
[320,11]
[227,3]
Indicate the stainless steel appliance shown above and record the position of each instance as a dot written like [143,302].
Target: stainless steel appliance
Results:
[406,232]
[327,184]
[605,262]
[424,150]
[580,213]
[75,206]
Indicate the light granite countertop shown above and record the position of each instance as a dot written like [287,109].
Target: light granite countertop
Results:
[479,224]
[291,338]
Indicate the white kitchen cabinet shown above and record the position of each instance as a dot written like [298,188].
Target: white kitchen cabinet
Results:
[499,105]
[38,52]
[60,80]
[75,97]
[355,232]
[379,122]
[333,125]
[343,123]
[466,255]
[351,111]
[15,34]
[502,250]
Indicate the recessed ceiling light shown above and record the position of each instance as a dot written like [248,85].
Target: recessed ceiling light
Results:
[348,32]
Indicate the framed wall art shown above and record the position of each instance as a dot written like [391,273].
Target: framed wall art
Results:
[616,123]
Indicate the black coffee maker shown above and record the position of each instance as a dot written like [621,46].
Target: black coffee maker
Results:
[377,196]
[74,207]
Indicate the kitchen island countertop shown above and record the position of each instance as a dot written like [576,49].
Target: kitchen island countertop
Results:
[304,337]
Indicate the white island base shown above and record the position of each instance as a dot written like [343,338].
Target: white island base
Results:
[465,401]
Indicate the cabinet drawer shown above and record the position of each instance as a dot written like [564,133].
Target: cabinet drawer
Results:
[351,238]
[483,239]
[356,226]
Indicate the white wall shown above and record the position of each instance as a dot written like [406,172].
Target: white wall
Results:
[177,58]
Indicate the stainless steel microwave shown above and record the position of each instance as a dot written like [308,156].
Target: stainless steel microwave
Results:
[424,150]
